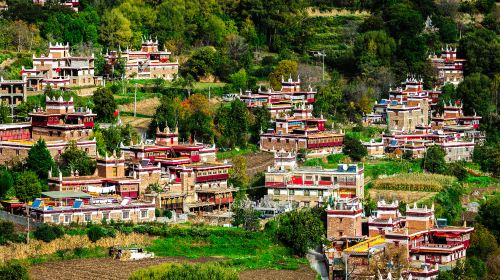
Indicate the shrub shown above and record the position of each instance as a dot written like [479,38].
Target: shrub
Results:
[96,232]
[13,271]
[157,212]
[7,232]
[167,213]
[205,271]
[48,233]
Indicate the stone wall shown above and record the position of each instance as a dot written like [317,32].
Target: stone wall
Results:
[343,226]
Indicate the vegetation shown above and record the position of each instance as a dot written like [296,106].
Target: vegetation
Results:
[414,182]
[354,148]
[27,186]
[300,230]
[434,160]
[47,233]
[104,105]
[13,271]
[212,271]
[75,159]
[39,159]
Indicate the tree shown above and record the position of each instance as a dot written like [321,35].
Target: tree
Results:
[482,242]
[198,119]
[214,30]
[48,233]
[489,214]
[171,23]
[201,63]
[481,49]
[238,177]
[39,159]
[233,123]
[105,105]
[27,186]
[329,97]
[488,157]
[354,148]
[374,48]
[6,182]
[239,80]
[5,115]
[300,230]
[285,69]
[434,160]
[74,159]
[260,121]
[246,217]
[115,29]
[449,203]
[476,95]
[458,170]
[167,113]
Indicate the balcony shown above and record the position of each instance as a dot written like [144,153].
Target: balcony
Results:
[209,178]
[323,145]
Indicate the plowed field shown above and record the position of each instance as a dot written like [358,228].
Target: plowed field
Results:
[93,269]
[110,269]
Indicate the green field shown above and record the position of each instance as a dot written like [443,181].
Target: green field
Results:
[243,249]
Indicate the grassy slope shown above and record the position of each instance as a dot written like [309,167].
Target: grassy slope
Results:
[244,250]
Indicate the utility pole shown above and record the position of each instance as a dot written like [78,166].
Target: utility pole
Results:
[28,235]
[135,101]
[323,56]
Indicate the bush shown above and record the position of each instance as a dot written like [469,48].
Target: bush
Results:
[205,271]
[96,232]
[48,233]
[167,213]
[7,232]
[13,271]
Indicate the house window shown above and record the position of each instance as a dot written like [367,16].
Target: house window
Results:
[144,214]
[17,152]
[87,217]
[115,171]
[320,193]
[306,204]
[67,219]
[307,192]
[125,215]
[341,233]
[55,219]
[276,191]
[105,215]
[291,192]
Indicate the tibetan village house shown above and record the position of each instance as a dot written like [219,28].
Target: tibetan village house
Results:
[311,186]
[147,63]
[280,103]
[93,212]
[449,68]
[58,124]
[59,70]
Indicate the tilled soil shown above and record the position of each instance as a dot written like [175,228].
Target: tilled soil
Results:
[93,269]
[110,269]
[303,273]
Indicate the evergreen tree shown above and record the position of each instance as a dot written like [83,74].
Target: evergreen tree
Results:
[39,159]
[354,148]
[105,105]
[434,160]
[77,160]
[27,186]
